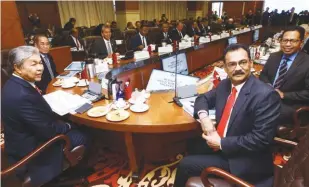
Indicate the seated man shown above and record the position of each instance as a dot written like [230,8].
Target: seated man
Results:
[305,47]
[230,24]
[74,41]
[288,72]
[104,46]
[177,33]
[29,121]
[140,40]
[194,30]
[164,35]
[49,72]
[246,111]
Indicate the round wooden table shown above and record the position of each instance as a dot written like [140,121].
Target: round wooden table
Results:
[162,117]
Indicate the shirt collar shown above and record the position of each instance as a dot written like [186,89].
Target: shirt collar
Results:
[141,35]
[31,83]
[291,57]
[238,87]
[106,40]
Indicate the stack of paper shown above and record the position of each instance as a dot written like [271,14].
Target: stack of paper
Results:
[63,102]
[188,106]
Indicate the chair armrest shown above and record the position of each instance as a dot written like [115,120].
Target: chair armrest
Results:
[285,142]
[225,175]
[296,125]
[37,151]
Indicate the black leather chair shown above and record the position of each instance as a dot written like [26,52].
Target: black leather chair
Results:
[5,67]
[72,157]
[293,174]
[128,34]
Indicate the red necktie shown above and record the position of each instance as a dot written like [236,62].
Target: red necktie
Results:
[216,78]
[227,112]
[38,89]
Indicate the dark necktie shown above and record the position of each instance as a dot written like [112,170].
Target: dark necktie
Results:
[77,43]
[38,89]
[282,72]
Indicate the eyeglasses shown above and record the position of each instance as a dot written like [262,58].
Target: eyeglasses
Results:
[233,65]
[292,41]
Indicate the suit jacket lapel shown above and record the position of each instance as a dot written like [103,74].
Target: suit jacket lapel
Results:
[276,61]
[241,100]
[297,61]
[224,94]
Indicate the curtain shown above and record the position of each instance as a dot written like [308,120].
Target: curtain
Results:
[87,13]
[173,10]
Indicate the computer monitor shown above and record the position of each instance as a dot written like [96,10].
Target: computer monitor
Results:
[255,35]
[169,64]
[232,40]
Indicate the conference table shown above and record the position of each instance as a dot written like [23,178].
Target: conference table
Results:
[161,131]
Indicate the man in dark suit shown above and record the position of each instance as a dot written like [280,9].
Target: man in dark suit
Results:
[164,36]
[230,24]
[265,17]
[292,17]
[49,72]
[178,33]
[194,30]
[246,111]
[288,72]
[70,24]
[140,40]
[104,46]
[73,40]
[305,47]
[29,121]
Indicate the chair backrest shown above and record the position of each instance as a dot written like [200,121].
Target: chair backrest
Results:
[128,34]
[117,34]
[88,41]
[153,34]
[5,69]
[295,172]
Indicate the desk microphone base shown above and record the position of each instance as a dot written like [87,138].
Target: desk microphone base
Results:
[177,102]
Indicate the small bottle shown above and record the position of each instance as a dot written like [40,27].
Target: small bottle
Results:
[120,92]
[114,58]
[127,90]
[149,49]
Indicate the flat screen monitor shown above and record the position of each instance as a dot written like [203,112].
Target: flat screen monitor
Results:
[232,40]
[169,64]
[255,35]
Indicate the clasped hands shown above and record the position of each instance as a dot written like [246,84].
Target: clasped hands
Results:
[210,134]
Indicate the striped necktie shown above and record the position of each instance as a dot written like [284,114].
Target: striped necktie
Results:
[109,49]
[47,63]
[282,72]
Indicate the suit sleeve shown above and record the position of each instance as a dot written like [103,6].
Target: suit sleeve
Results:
[264,74]
[264,128]
[302,95]
[205,101]
[42,123]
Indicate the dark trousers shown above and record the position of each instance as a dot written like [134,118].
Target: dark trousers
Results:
[201,156]
[286,115]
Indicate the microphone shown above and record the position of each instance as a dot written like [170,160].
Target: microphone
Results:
[176,98]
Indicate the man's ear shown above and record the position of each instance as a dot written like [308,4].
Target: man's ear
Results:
[17,69]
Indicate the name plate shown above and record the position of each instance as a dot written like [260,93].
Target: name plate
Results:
[162,80]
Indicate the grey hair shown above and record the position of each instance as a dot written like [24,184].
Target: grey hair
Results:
[19,54]
[306,27]
[105,27]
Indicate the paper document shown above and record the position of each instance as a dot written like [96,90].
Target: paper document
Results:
[188,106]
[63,102]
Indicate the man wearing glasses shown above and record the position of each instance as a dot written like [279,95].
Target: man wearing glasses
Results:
[288,72]
[246,112]
[49,72]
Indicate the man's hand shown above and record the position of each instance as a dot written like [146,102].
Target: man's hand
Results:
[207,125]
[213,140]
[140,47]
[280,93]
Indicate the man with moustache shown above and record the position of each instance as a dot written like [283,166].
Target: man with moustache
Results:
[287,71]
[29,121]
[164,36]
[246,112]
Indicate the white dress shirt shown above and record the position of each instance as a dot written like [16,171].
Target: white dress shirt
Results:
[108,43]
[77,43]
[145,42]
[180,33]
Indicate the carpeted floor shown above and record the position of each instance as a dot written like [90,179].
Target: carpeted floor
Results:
[112,170]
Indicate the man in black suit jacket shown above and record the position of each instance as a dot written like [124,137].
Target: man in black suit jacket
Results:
[305,47]
[292,17]
[246,112]
[194,30]
[140,40]
[104,46]
[73,40]
[70,24]
[177,33]
[164,36]
[29,121]
[49,72]
[288,72]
